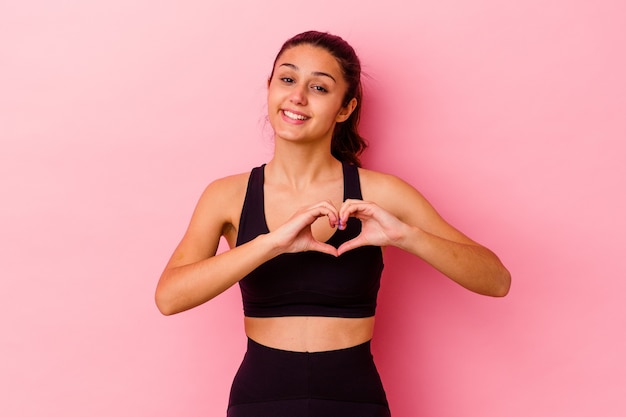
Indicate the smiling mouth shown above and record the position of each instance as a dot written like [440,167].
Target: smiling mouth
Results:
[294,116]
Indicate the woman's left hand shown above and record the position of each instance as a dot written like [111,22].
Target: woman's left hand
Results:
[378,226]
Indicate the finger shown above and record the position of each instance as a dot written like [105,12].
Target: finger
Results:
[325,203]
[355,208]
[321,210]
[345,211]
[324,248]
[351,205]
[351,244]
[328,209]
[333,218]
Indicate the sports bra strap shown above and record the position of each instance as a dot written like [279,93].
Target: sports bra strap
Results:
[351,183]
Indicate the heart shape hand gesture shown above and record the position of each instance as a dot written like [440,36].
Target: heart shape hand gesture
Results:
[379,227]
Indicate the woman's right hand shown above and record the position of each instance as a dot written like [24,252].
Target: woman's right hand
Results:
[296,235]
[196,274]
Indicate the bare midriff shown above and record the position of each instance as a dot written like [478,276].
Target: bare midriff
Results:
[309,334]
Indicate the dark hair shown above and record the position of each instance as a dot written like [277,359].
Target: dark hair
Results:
[347,144]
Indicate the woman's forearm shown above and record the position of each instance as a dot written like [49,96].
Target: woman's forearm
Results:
[471,265]
[186,286]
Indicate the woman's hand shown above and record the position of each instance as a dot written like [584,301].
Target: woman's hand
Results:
[378,226]
[296,235]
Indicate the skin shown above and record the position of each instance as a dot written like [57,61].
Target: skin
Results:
[303,205]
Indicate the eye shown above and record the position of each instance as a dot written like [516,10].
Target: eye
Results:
[319,88]
[287,80]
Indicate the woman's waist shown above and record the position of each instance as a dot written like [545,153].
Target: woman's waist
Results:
[309,333]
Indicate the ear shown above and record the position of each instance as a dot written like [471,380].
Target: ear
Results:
[346,111]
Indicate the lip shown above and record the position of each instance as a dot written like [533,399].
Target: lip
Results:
[297,113]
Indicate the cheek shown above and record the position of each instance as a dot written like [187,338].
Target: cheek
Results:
[273,97]
[332,108]
[271,103]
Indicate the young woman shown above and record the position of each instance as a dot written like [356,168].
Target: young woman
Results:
[307,232]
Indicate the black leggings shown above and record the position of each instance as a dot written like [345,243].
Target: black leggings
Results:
[279,383]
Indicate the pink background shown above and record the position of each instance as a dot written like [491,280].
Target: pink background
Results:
[509,116]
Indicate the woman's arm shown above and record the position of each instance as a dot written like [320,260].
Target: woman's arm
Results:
[195,274]
[402,217]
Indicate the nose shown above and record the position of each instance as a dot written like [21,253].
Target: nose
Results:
[298,95]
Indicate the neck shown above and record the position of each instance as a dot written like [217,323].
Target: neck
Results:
[300,165]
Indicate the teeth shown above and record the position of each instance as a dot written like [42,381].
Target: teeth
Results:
[293,115]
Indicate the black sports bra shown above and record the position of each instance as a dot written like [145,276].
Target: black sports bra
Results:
[309,283]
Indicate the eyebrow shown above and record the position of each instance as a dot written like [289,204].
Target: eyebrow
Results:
[316,73]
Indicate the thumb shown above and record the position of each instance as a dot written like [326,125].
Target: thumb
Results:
[324,248]
[350,244]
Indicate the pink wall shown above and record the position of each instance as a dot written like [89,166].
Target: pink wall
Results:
[509,116]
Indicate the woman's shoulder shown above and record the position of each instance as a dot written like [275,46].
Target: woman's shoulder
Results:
[379,184]
[229,184]
[226,192]
[394,194]
[220,203]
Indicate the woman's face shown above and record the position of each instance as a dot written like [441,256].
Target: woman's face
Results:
[306,93]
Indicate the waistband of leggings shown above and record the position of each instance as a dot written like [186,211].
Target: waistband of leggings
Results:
[361,347]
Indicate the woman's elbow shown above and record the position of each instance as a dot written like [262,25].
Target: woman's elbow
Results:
[502,284]
[164,302]
[163,307]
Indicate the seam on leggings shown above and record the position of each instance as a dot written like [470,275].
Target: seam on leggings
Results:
[313,398]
